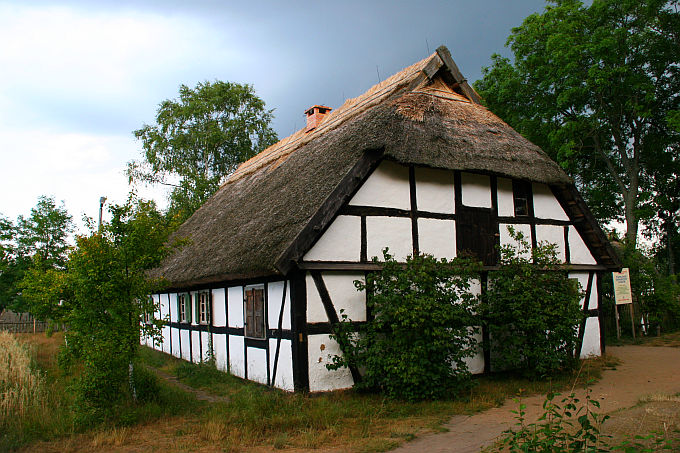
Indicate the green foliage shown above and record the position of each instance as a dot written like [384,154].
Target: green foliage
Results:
[44,234]
[531,309]
[199,139]
[420,334]
[595,87]
[35,245]
[567,426]
[656,295]
[571,426]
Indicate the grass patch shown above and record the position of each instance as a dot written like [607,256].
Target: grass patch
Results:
[256,416]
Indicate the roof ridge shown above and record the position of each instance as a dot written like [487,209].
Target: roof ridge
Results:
[351,106]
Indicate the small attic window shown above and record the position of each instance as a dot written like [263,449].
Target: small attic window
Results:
[521,194]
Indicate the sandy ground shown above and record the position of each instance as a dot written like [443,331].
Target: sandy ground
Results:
[643,371]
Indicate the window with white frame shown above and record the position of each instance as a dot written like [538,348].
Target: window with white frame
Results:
[184,307]
[204,307]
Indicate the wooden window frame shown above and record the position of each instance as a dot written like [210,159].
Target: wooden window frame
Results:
[204,315]
[522,198]
[258,315]
[184,304]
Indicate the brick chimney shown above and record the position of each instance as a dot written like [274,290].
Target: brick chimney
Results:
[315,115]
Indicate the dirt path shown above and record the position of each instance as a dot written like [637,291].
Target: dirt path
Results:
[199,394]
[644,370]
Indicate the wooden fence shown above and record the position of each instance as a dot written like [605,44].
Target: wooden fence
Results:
[26,326]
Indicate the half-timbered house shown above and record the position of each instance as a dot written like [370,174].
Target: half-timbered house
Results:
[415,164]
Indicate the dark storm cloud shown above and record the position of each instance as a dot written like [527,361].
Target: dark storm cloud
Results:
[305,53]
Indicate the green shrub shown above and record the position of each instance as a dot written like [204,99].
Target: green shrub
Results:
[531,310]
[420,334]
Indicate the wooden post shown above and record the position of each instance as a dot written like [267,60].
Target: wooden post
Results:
[632,320]
[618,327]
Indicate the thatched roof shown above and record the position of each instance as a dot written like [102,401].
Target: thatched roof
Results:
[426,114]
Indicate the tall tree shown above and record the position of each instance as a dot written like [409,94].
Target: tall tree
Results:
[44,234]
[9,269]
[200,138]
[594,86]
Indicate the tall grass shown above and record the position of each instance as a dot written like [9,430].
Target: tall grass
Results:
[21,386]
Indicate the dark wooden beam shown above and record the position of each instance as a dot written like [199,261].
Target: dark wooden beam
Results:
[320,221]
[451,65]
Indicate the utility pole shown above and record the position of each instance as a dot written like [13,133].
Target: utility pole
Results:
[102,200]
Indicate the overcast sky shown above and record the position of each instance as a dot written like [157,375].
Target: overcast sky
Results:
[77,77]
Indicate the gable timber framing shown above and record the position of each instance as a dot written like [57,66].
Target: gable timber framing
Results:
[325,215]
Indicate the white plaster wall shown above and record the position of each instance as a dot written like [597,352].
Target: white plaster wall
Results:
[235,308]
[387,187]
[165,345]
[175,342]
[185,344]
[320,378]
[578,251]
[340,242]
[274,295]
[205,345]
[437,237]
[315,310]
[553,234]
[506,200]
[476,190]
[392,232]
[546,205]
[284,370]
[506,239]
[196,346]
[237,364]
[344,294]
[591,338]
[220,350]
[174,316]
[257,365]
[219,315]
[475,363]
[583,281]
[435,190]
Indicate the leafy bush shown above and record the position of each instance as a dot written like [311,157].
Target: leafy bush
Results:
[531,310]
[416,343]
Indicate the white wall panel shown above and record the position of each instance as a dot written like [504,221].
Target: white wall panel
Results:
[185,339]
[546,205]
[165,346]
[206,345]
[284,370]
[174,316]
[175,342]
[506,239]
[591,338]
[196,346]
[237,363]
[435,190]
[553,234]
[392,232]
[320,378]
[340,242]
[387,187]
[475,363]
[344,294]
[583,281]
[476,190]
[275,293]
[219,315]
[220,350]
[235,308]
[437,237]
[257,365]
[578,251]
[315,310]
[506,200]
